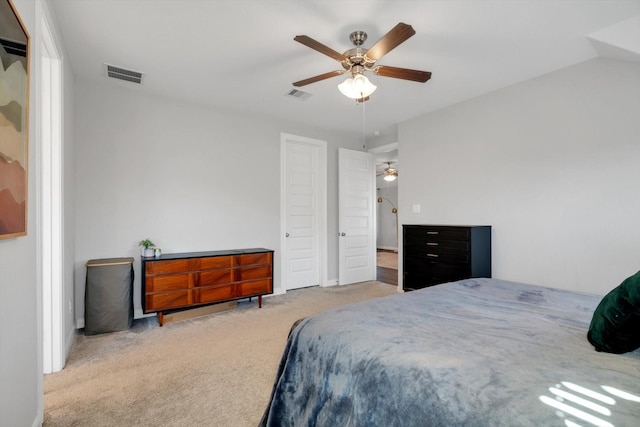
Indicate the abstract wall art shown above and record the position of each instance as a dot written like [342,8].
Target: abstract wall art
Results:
[14,113]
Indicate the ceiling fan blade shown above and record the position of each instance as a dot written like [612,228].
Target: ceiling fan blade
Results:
[313,44]
[318,78]
[389,41]
[402,73]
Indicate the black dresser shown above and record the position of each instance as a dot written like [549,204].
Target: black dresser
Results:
[434,254]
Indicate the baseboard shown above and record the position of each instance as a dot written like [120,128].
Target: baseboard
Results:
[37,422]
[276,291]
[328,283]
[388,248]
[69,343]
[139,314]
[197,312]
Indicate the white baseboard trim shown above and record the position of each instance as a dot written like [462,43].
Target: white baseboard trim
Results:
[328,283]
[138,314]
[68,344]
[37,422]
[278,291]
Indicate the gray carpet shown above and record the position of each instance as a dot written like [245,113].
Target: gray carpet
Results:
[216,370]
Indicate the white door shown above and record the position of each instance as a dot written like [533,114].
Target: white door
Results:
[304,207]
[357,255]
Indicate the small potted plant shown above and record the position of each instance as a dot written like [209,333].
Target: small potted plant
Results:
[147,247]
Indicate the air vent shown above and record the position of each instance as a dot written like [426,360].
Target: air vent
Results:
[298,94]
[123,74]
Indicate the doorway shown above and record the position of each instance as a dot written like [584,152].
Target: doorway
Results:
[387,227]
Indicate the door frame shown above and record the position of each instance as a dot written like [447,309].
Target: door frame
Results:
[385,149]
[50,189]
[321,198]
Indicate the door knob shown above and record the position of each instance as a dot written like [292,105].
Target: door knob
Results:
[343,234]
[286,235]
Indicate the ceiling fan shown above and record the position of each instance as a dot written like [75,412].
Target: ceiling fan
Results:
[390,174]
[357,60]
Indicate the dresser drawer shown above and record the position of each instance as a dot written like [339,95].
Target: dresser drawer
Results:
[458,245]
[168,282]
[171,266]
[249,273]
[443,254]
[255,287]
[214,293]
[214,277]
[420,272]
[168,300]
[212,263]
[249,259]
[436,233]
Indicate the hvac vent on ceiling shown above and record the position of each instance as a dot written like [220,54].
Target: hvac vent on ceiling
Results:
[123,74]
[300,95]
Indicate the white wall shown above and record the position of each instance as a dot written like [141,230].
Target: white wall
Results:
[21,388]
[551,164]
[187,177]
[20,366]
[386,221]
[68,194]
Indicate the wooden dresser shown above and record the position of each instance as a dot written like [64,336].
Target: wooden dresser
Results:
[186,280]
[434,254]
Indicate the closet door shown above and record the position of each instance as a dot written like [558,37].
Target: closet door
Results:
[304,200]
[357,251]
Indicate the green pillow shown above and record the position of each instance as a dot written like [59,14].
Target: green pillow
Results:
[615,326]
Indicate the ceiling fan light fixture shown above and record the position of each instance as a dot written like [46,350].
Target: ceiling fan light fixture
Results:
[358,60]
[390,174]
[357,87]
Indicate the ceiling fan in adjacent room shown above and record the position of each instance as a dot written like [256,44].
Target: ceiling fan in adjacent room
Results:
[357,60]
[390,174]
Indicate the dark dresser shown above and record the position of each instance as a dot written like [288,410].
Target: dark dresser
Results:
[434,254]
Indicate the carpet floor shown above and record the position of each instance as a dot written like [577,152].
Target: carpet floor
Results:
[215,370]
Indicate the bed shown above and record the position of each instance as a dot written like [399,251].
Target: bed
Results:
[478,352]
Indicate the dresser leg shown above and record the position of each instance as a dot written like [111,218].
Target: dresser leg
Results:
[260,301]
[160,318]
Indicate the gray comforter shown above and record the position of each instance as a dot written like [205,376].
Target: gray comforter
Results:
[479,352]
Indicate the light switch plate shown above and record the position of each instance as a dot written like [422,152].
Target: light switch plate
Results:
[415,209]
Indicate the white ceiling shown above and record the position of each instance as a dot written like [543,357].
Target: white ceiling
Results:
[240,55]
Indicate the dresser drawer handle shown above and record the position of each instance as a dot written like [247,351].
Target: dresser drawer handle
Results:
[432,255]
[432,244]
[433,232]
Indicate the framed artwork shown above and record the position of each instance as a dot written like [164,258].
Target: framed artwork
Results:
[14,113]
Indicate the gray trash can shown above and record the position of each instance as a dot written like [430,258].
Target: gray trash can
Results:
[108,298]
